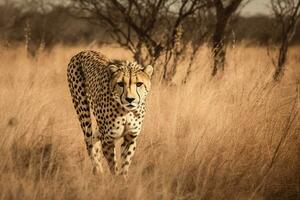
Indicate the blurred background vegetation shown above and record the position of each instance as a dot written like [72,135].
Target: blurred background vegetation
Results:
[52,23]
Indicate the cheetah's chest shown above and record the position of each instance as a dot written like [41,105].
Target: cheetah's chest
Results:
[123,125]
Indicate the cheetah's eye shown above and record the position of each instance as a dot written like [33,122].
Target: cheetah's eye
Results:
[139,84]
[121,84]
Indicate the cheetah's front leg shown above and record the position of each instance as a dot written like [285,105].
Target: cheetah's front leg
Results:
[127,149]
[96,154]
[109,153]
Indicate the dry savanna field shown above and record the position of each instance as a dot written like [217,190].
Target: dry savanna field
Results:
[231,137]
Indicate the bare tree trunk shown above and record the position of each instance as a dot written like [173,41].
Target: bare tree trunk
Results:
[138,53]
[287,16]
[223,14]
[279,72]
[219,46]
[192,58]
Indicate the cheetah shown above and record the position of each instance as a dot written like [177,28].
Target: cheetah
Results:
[114,92]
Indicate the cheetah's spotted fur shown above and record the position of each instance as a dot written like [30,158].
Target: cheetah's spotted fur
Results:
[115,91]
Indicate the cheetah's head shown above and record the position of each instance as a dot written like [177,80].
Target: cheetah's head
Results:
[130,83]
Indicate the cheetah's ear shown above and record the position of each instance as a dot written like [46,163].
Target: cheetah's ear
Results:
[113,68]
[148,70]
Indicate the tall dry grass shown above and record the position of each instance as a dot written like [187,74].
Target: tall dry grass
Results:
[232,137]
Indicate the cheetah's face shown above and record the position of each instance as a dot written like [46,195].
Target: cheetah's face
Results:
[130,86]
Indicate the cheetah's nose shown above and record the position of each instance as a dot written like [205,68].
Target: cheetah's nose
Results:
[129,99]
